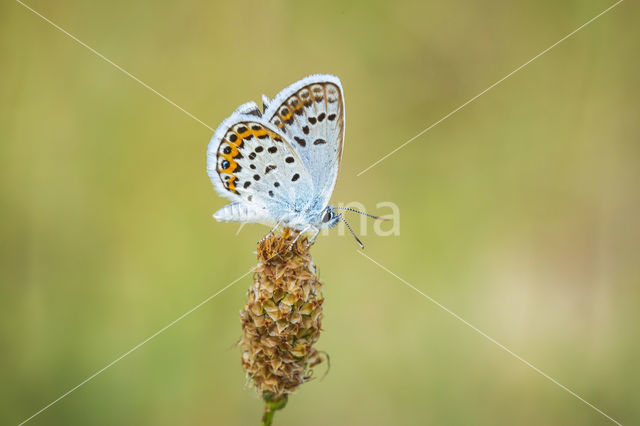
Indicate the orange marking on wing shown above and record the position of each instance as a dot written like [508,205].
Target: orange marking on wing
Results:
[298,106]
[233,165]
[261,132]
[232,184]
[234,150]
[232,168]
[286,117]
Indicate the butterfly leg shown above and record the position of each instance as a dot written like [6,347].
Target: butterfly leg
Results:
[270,232]
[313,237]
[298,236]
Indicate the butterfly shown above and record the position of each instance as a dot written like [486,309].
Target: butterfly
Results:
[279,165]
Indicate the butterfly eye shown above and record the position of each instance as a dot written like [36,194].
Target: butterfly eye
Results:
[327,216]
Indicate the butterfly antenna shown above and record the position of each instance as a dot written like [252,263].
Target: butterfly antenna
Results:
[359,212]
[352,233]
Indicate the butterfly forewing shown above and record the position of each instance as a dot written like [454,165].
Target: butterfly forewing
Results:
[250,161]
[310,114]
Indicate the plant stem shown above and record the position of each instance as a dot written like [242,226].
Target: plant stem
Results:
[272,403]
[267,418]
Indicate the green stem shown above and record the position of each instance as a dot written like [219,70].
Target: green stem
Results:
[267,417]
[272,403]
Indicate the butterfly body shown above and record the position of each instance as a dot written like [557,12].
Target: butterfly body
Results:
[279,166]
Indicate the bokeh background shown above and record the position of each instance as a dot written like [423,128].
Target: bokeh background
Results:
[519,213]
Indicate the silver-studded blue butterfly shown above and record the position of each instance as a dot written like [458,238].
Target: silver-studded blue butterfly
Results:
[279,166]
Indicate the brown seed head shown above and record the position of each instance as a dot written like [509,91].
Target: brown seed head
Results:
[282,318]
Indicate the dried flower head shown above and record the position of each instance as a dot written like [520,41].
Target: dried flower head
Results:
[282,318]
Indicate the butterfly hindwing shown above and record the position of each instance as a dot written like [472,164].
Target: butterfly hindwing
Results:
[251,162]
[310,114]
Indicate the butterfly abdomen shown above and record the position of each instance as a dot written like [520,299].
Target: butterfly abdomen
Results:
[240,212]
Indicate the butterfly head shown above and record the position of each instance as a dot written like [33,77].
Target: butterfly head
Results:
[329,218]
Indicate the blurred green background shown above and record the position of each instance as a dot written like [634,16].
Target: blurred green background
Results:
[519,213]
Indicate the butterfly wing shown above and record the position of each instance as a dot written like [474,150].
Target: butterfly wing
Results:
[311,115]
[252,164]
